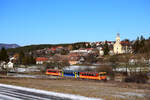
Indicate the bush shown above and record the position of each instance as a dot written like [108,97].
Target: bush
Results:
[138,78]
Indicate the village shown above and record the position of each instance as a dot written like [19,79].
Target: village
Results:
[114,57]
[117,58]
[74,50]
[87,53]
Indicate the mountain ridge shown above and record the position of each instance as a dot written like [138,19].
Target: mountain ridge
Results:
[8,46]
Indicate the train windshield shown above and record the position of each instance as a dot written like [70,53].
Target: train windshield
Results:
[102,74]
[52,71]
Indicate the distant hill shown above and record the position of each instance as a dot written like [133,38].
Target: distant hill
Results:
[8,46]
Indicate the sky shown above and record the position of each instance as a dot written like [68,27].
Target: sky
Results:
[27,22]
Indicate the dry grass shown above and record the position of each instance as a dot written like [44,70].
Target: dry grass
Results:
[107,91]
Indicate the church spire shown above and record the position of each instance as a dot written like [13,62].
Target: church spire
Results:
[118,35]
[118,38]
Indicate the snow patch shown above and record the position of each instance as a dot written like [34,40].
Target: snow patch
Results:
[4,97]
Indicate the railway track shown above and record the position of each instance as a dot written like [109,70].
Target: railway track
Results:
[45,77]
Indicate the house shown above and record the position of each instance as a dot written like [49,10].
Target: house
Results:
[126,47]
[73,58]
[5,65]
[89,50]
[111,52]
[132,61]
[10,65]
[101,51]
[41,60]
[2,65]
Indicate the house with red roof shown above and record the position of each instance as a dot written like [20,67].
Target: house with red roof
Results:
[41,60]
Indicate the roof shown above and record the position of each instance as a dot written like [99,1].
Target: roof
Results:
[53,49]
[89,49]
[125,43]
[59,47]
[41,59]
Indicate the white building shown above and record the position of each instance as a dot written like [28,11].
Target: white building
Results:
[10,65]
[117,46]
[101,52]
[81,51]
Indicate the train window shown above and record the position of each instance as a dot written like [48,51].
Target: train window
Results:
[65,73]
[102,74]
[84,74]
[68,73]
[89,74]
[52,71]
[105,73]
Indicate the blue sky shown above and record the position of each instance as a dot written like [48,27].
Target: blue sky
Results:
[28,22]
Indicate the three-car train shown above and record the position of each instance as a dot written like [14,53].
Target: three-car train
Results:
[77,74]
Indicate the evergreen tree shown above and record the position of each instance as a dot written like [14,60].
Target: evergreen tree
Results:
[4,55]
[142,44]
[106,48]
[21,57]
[136,45]
[28,60]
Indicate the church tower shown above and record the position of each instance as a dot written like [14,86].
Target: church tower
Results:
[117,46]
[118,38]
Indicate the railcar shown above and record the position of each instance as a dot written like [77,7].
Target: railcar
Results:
[103,76]
[92,75]
[53,72]
[70,73]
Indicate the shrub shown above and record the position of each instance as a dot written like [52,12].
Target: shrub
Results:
[138,78]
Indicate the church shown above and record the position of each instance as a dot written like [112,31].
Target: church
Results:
[121,46]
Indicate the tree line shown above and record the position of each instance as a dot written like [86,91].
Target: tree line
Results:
[3,55]
[25,59]
[141,45]
[21,59]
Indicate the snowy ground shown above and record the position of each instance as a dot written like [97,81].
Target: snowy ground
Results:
[7,93]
